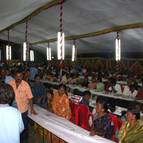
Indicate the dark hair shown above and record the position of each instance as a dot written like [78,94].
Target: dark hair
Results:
[103,103]
[62,86]
[19,71]
[6,94]
[135,112]
[37,75]
[113,81]
[87,92]
[50,91]
[76,92]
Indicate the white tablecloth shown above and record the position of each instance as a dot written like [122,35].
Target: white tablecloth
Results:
[92,91]
[63,128]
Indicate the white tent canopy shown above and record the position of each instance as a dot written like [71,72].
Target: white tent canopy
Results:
[80,17]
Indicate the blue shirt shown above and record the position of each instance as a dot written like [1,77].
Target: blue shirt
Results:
[33,72]
[85,102]
[103,126]
[7,79]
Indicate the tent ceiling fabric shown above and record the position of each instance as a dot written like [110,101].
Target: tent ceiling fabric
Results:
[12,11]
[80,16]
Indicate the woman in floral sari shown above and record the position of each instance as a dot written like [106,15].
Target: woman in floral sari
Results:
[60,103]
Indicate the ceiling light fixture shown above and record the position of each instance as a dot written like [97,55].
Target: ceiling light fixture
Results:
[8,49]
[48,53]
[74,51]
[32,55]
[26,45]
[118,48]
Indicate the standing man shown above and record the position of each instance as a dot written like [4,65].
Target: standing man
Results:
[23,96]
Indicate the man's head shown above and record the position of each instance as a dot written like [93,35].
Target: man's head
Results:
[86,95]
[6,94]
[18,76]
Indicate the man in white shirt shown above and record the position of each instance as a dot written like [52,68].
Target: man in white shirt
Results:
[118,89]
[11,124]
[126,91]
[130,91]
[115,87]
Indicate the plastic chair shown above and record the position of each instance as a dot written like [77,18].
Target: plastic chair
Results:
[73,107]
[82,116]
[117,124]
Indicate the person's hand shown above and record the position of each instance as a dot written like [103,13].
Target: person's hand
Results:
[33,112]
[92,133]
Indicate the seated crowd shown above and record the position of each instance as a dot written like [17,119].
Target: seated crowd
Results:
[76,109]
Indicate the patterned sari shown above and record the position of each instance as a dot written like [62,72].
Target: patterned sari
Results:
[130,134]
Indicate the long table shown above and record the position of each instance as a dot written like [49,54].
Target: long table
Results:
[63,128]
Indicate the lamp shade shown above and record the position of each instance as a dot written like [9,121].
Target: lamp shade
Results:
[117,49]
[48,54]
[8,52]
[61,46]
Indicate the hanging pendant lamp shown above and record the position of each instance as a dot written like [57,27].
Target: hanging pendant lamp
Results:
[25,44]
[48,53]
[8,49]
[74,51]
[117,48]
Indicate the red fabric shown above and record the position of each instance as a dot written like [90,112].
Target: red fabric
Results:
[106,86]
[114,119]
[140,94]
[73,107]
[117,124]
[82,110]
[120,122]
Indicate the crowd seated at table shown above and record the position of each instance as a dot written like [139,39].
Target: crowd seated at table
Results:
[76,109]
[122,83]
[100,81]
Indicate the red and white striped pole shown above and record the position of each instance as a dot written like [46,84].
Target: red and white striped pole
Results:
[27,44]
[61,38]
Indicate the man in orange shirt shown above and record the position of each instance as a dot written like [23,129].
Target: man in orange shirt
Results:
[23,96]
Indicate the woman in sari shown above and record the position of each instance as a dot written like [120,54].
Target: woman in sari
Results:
[103,125]
[132,130]
[60,103]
